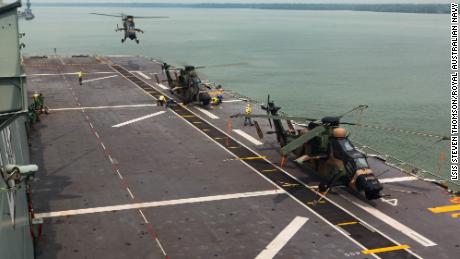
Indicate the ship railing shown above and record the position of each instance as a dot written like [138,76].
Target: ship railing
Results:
[409,168]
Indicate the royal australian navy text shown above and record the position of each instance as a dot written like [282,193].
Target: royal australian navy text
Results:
[454,91]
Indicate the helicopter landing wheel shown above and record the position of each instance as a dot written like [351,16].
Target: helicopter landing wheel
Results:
[122,40]
[137,41]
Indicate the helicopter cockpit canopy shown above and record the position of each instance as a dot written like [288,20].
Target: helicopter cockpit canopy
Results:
[344,150]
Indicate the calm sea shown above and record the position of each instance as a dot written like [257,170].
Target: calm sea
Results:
[313,63]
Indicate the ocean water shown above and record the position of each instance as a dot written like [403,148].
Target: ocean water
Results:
[313,63]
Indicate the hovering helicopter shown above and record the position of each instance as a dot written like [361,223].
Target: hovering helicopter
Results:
[128,25]
[324,146]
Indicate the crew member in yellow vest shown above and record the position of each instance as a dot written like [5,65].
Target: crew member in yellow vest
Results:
[80,75]
[161,100]
[247,119]
[215,101]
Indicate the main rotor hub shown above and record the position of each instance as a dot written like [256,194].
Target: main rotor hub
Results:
[331,121]
[189,68]
[272,108]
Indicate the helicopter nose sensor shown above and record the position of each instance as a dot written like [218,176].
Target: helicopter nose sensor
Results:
[370,185]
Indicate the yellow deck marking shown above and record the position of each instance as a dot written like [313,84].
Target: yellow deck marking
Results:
[384,249]
[269,170]
[348,223]
[251,157]
[217,138]
[188,116]
[205,129]
[455,215]
[447,208]
[233,147]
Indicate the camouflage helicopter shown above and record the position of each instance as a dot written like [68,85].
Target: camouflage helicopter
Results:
[188,85]
[324,146]
[128,25]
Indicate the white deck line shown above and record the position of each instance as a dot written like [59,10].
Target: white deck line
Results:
[207,113]
[282,238]
[70,73]
[398,179]
[138,119]
[130,193]
[158,203]
[248,137]
[388,220]
[99,78]
[164,87]
[143,75]
[232,101]
[120,56]
[103,107]
[143,216]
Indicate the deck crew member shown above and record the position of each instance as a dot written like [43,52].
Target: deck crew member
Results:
[161,100]
[247,119]
[80,75]
[39,103]
[169,103]
[215,101]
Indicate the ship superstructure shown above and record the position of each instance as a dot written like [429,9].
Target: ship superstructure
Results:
[15,232]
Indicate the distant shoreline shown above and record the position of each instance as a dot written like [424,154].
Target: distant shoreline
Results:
[391,8]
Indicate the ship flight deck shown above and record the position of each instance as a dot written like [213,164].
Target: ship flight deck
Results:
[121,177]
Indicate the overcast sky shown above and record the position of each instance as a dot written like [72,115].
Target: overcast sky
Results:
[244,1]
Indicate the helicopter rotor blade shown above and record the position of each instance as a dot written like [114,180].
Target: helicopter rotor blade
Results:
[259,130]
[268,112]
[357,108]
[222,65]
[276,117]
[403,131]
[291,146]
[349,123]
[150,17]
[111,15]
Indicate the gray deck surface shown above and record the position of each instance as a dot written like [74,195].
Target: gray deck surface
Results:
[165,158]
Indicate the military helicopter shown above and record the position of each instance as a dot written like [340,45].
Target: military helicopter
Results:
[128,25]
[188,85]
[324,146]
